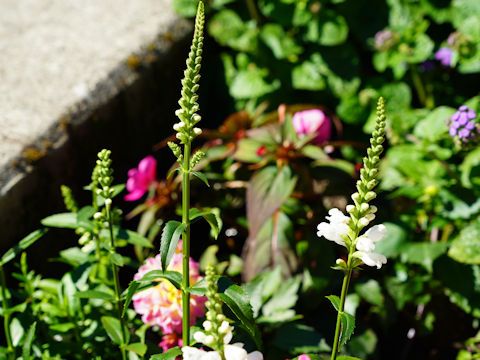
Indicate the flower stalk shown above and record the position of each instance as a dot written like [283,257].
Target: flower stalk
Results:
[345,230]
[105,179]
[186,132]
[6,315]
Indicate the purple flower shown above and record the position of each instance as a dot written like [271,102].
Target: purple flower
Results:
[444,55]
[461,123]
[312,122]
[141,178]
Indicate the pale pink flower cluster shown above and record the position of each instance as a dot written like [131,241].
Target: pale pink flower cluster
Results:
[337,230]
[162,304]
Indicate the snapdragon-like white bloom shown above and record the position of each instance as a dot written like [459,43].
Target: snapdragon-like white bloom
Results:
[336,229]
[367,241]
[231,352]
[372,259]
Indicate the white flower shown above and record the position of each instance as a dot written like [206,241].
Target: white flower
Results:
[231,352]
[191,353]
[372,259]
[336,229]
[367,241]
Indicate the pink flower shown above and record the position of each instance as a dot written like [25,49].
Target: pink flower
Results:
[141,178]
[444,55]
[304,357]
[312,122]
[169,341]
[162,304]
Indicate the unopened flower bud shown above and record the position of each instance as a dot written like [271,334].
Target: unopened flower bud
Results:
[350,208]
[355,196]
[196,118]
[364,207]
[373,209]
[199,337]
[364,221]
[370,217]
[108,202]
[97,215]
[209,340]
[370,196]
[197,131]
[207,325]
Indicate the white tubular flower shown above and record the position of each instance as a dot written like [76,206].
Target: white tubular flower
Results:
[207,325]
[191,353]
[200,337]
[377,232]
[336,229]
[372,259]
[236,352]
[228,337]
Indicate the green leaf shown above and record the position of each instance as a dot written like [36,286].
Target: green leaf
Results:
[433,126]
[117,259]
[345,357]
[252,83]
[94,294]
[211,216]
[329,29]
[370,291]
[201,176]
[282,45]
[27,344]
[16,330]
[173,172]
[185,8]
[132,237]
[392,245]
[229,29]
[170,354]
[347,322]
[465,247]
[470,168]
[113,328]
[423,253]
[22,245]
[284,298]
[173,276]
[131,290]
[170,236]
[63,221]
[237,300]
[137,348]
[306,76]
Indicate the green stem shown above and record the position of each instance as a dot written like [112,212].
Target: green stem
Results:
[116,282]
[252,9]
[343,296]
[186,245]
[425,100]
[6,316]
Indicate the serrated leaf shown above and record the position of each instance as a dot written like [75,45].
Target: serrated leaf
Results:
[170,236]
[170,354]
[335,300]
[27,344]
[22,245]
[173,276]
[131,290]
[201,176]
[94,294]
[347,322]
[237,300]
[137,348]
[211,217]
[113,328]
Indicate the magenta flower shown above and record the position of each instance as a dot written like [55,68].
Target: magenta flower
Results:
[169,341]
[444,55]
[141,178]
[162,304]
[312,122]
[304,357]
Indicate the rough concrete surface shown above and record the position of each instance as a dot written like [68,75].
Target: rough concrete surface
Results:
[54,53]
[77,76]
